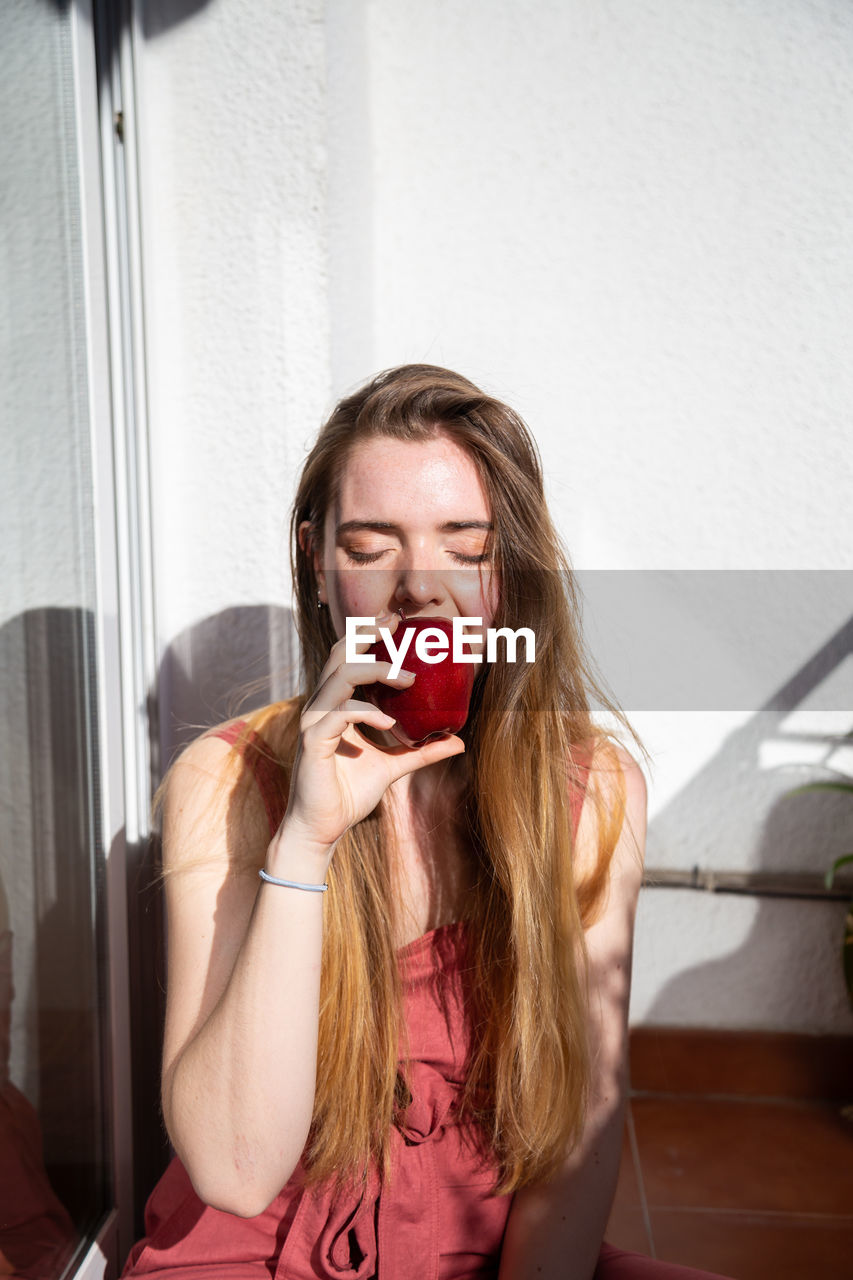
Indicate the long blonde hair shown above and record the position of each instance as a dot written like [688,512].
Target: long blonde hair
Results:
[528,739]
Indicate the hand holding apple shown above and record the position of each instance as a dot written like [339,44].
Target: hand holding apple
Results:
[438,699]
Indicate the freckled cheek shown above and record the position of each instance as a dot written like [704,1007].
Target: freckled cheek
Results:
[360,593]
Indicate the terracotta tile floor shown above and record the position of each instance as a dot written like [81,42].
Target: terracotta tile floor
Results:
[737,1157]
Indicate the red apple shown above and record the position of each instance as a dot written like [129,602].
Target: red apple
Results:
[437,700]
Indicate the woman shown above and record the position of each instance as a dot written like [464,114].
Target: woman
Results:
[403,1076]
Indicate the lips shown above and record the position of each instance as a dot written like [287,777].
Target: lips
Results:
[439,697]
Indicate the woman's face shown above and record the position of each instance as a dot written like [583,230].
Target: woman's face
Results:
[408,530]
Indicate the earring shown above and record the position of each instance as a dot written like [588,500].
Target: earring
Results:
[320,602]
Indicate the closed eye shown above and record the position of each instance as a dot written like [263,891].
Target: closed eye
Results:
[367,557]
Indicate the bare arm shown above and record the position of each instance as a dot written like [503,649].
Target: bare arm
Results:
[555,1230]
[243,992]
[240,1045]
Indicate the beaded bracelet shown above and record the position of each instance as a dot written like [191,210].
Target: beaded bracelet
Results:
[292,884]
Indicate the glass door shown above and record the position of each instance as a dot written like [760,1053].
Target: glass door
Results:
[63,1192]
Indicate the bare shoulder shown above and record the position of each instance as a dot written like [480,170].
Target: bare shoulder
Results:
[622,784]
[278,724]
[611,837]
[616,789]
[614,771]
[210,801]
[629,853]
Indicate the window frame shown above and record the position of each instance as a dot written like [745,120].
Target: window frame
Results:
[102,37]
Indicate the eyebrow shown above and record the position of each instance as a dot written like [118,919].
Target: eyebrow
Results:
[384,526]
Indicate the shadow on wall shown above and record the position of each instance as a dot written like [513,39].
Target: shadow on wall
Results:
[230,663]
[787,964]
[159,16]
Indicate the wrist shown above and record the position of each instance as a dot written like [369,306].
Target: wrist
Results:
[295,855]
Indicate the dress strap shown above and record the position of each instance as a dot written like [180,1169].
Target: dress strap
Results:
[261,759]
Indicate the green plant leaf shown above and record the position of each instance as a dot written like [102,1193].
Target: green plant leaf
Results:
[822,786]
[836,866]
[846,858]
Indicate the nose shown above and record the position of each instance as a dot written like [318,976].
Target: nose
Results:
[418,588]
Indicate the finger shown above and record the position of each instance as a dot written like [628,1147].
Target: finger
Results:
[323,736]
[343,680]
[407,759]
[337,653]
[356,673]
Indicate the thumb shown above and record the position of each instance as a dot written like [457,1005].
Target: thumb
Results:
[408,758]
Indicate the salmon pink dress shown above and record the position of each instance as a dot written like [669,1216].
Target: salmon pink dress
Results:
[436,1217]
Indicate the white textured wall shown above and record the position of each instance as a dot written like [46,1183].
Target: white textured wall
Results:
[632,221]
[632,218]
[232,141]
